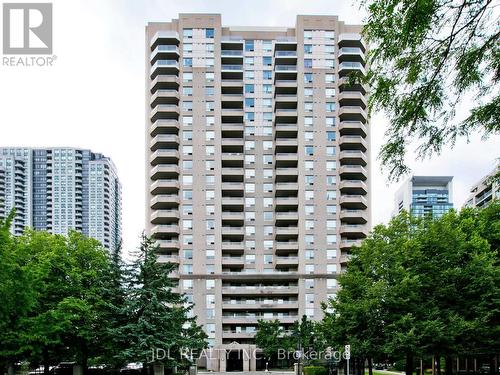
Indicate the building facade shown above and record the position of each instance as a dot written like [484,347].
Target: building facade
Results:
[486,190]
[425,195]
[61,189]
[258,175]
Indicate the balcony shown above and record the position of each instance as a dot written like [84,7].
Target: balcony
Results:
[232,68]
[232,141]
[281,57]
[164,111]
[233,261]
[354,230]
[233,186]
[353,172]
[259,290]
[232,71]
[233,201]
[356,187]
[168,258]
[284,84]
[286,188]
[163,82]
[164,201]
[287,231]
[286,261]
[346,86]
[236,231]
[351,54]
[286,146]
[164,96]
[232,53]
[286,246]
[234,335]
[286,174]
[233,171]
[164,127]
[351,40]
[345,258]
[159,230]
[352,99]
[164,67]
[353,113]
[286,115]
[164,52]
[285,217]
[169,171]
[233,246]
[229,216]
[165,187]
[164,37]
[353,142]
[258,305]
[287,158]
[286,130]
[233,156]
[353,202]
[354,157]
[354,216]
[353,128]
[286,100]
[347,244]
[348,67]
[165,216]
[232,129]
[287,202]
[164,157]
[164,141]
[168,245]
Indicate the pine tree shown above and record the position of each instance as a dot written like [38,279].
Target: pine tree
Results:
[157,315]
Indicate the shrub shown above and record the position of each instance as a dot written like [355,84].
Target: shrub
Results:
[314,370]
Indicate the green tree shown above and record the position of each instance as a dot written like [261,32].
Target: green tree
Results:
[427,58]
[158,316]
[67,321]
[17,293]
[422,287]
[114,311]
[270,337]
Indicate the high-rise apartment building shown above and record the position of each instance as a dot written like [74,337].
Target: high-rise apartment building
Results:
[486,190]
[61,189]
[425,195]
[258,154]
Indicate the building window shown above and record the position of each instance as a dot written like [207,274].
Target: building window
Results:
[249,45]
[209,33]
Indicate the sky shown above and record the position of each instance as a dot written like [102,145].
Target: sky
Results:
[93,95]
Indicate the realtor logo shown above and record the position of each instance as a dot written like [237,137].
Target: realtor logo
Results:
[27,28]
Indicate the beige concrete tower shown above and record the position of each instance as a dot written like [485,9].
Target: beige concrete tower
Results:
[257,168]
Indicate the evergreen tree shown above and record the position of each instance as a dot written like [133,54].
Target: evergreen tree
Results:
[157,315]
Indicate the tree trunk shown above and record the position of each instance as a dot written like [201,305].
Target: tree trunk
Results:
[448,365]
[345,368]
[45,360]
[85,359]
[492,365]
[10,368]
[370,366]
[409,363]
[438,365]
